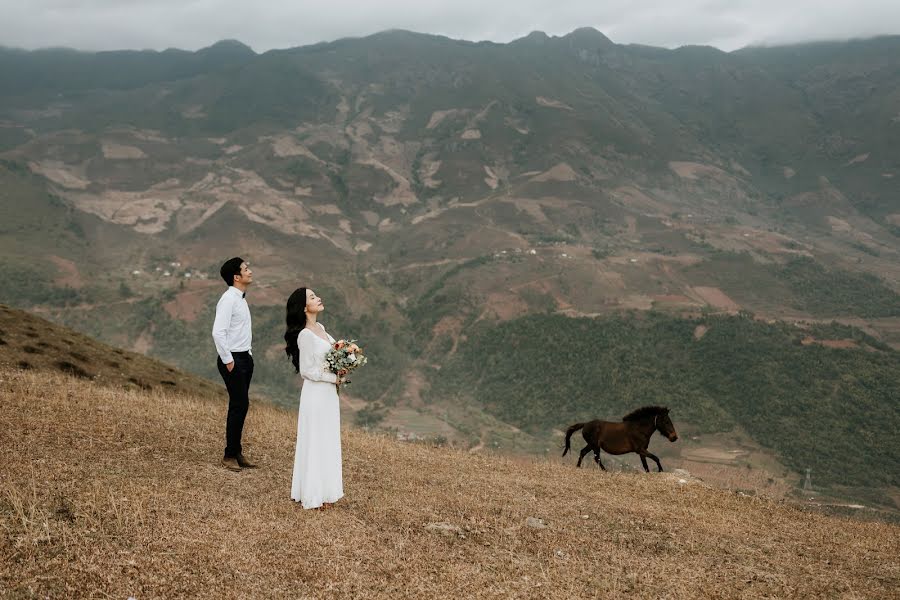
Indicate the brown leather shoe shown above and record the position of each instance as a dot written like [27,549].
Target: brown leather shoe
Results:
[231,463]
[244,463]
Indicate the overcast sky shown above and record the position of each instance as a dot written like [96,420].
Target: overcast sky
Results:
[267,24]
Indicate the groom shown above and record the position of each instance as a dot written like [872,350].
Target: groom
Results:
[232,335]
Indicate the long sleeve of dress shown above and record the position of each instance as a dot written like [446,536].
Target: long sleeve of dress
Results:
[312,364]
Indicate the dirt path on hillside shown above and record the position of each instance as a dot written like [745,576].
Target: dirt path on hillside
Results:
[441,210]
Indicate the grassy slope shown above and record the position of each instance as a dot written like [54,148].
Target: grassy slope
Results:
[29,342]
[114,492]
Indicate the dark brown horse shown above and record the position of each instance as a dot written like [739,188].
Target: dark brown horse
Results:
[631,435]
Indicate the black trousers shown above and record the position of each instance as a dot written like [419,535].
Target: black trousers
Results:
[237,382]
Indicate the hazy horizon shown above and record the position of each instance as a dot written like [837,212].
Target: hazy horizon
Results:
[350,37]
[98,25]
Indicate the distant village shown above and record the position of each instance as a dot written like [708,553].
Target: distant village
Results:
[174,269]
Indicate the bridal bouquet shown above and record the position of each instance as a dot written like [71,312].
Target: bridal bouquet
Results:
[345,355]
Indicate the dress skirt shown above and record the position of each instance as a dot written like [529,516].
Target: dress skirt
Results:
[318,476]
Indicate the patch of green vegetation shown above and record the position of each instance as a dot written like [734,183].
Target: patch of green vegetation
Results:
[828,292]
[302,169]
[10,137]
[538,301]
[441,298]
[801,283]
[34,285]
[370,415]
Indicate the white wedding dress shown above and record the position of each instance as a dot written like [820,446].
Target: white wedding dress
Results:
[317,476]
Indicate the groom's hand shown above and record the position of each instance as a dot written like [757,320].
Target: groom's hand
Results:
[230,366]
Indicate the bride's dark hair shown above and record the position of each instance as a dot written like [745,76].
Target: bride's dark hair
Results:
[296,322]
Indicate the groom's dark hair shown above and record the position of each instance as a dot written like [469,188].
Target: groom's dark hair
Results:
[230,269]
[295,319]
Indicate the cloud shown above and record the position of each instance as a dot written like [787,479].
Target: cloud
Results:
[267,24]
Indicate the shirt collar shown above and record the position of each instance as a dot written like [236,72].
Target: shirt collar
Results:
[237,291]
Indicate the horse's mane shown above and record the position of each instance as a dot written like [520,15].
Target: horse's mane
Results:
[644,412]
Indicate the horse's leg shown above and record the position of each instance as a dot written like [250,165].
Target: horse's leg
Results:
[653,456]
[584,451]
[597,459]
[644,462]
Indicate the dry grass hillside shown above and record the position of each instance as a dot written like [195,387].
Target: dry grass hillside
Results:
[114,492]
[28,342]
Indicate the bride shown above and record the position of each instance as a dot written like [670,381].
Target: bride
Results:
[317,481]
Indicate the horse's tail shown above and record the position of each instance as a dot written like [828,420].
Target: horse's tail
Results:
[569,433]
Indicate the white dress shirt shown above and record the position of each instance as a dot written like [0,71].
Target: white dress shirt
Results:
[231,330]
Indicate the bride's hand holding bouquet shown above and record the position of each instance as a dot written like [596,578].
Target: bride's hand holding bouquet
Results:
[344,357]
